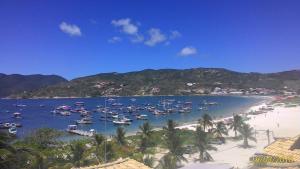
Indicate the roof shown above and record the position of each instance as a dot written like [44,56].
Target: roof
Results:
[119,164]
[283,148]
[296,145]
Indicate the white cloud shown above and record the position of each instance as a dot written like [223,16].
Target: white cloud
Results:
[187,51]
[126,26]
[175,34]
[155,37]
[72,30]
[115,39]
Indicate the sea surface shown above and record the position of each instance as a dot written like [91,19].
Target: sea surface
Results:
[35,116]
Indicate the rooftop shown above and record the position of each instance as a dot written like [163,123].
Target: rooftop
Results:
[285,148]
[119,164]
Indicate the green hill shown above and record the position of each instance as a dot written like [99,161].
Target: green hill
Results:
[169,82]
[15,83]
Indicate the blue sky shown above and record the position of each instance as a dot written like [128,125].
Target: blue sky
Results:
[75,38]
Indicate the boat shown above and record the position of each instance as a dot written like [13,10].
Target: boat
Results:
[79,103]
[142,117]
[17,115]
[121,122]
[63,108]
[5,125]
[65,113]
[117,104]
[133,99]
[185,110]
[111,99]
[209,103]
[12,130]
[21,105]
[85,120]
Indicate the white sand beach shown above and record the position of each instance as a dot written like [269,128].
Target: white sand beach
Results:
[282,122]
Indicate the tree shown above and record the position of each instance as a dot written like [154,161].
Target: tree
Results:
[174,142]
[146,132]
[99,140]
[168,162]
[77,151]
[17,157]
[202,142]
[220,130]
[43,137]
[148,161]
[247,133]
[236,124]
[207,121]
[120,136]
[109,151]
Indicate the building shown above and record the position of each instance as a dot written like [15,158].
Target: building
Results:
[119,164]
[285,148]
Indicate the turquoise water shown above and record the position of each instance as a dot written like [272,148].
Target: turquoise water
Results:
[35,116]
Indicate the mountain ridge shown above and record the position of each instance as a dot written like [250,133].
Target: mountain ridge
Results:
[11,84]
[169,82]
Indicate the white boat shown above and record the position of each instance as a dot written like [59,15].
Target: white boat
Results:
[121,122]
[12,130]
[142,117]
[84,121]
[65,113]
[79,104]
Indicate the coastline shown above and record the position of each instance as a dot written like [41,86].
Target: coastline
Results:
[190,125]
[232,155]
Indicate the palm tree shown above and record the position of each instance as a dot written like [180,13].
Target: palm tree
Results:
[145,134]
[202,142]
[109,151]
[207,121]
[120,136]
[148,161]
[174,142]
[77,151]
[247,134]
[220,130]
[99,140]
[168,162]
[236,124]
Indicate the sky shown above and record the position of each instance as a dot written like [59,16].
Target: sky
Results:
[74,38]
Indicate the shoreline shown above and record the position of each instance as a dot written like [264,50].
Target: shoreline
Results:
[191,124]
[278,121]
